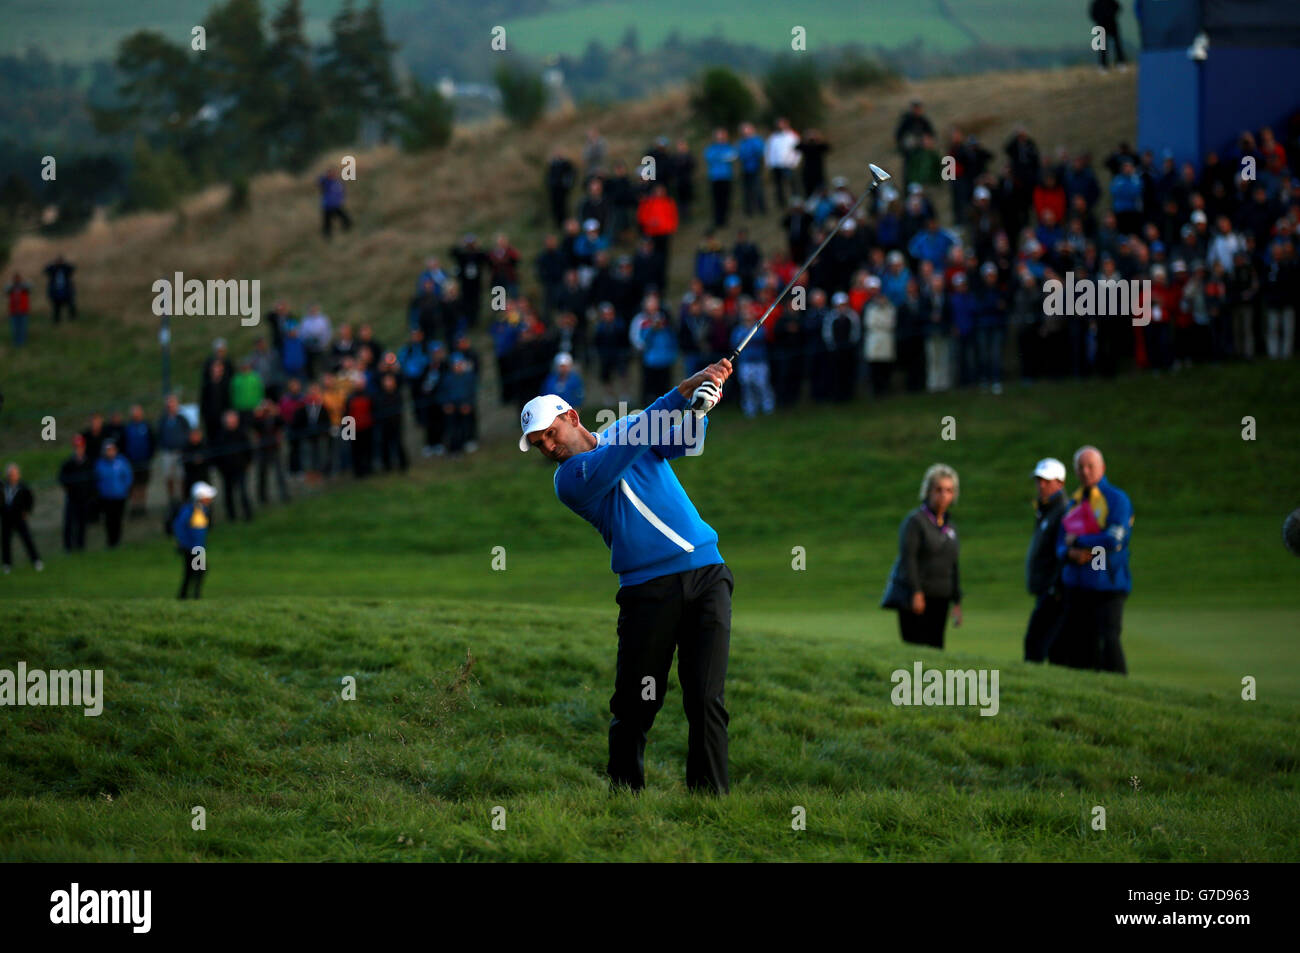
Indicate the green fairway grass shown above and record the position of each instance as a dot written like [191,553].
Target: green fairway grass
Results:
[237,709]
[234,703]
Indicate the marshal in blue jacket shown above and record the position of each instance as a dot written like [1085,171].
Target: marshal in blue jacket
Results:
[190,527]
[1114,513]
[626,488]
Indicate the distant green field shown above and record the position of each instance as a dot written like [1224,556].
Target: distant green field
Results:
[233,703]
[76,30]
[763,23]
[939,24]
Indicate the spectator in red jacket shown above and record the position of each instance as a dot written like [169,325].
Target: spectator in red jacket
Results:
[503,260]
[1049,195]
[20,305]
[359,408]
[657,217]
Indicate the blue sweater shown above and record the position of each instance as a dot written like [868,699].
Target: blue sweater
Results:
[1114,513]
[626,488]
[113,478]
[571,390]
[190,527]
[718,158]
[751,154]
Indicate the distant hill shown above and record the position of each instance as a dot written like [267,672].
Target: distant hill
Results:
[450,34]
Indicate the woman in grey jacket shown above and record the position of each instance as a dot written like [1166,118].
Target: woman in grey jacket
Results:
[925,581]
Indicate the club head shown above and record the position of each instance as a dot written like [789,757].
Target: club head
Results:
[878,174]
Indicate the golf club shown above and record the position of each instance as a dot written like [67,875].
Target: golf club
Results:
[878,175]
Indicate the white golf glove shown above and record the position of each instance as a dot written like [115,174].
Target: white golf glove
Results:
[705,398]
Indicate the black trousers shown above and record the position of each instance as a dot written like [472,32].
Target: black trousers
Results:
[363,452]
[75,517]
[691,612]
[435,423]
[1041,638]
[391,449]
[721,202]
[7,529]
[1112,36]
[113,510]
[327,217]
[57,307]
[236,486]
[269,460]
[752,186]
[192,576]
[926,628]
[1091,630]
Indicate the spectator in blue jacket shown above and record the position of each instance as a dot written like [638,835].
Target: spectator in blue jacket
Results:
[413,357]
[459,392]
[331,202]
[564,381]
[293,353]
[718,159]
[750,152]
[709,257]
[991,309]
[1126,199]
[658,354]
[1081,180]
[61,289]
[190,528]
[138,446]
[755,371]
[960,305]
[113,483]
[932,244]
[893,283]
[1093,543]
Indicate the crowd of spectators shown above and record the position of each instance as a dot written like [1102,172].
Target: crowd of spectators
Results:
[900,298]
[308,402]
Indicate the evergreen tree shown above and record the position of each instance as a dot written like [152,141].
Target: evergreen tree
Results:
[236,71]
[295,96]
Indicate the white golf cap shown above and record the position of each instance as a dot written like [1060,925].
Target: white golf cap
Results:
[538,414]
[202,489]
[1050,468]
[564,357]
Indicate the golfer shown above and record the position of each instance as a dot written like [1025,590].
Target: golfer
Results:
[675,590]
[190,528]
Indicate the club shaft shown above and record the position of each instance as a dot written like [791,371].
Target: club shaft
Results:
[798,274]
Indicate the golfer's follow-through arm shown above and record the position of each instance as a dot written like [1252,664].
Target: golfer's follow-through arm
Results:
[599,470]
[702,392]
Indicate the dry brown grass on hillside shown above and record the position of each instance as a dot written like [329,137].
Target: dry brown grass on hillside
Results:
[490,179]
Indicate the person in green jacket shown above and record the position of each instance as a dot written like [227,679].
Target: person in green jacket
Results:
[246,391]
[924,164]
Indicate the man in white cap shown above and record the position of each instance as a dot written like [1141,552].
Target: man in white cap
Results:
[190,528]
[564,381]
[1043,566]
[675,590]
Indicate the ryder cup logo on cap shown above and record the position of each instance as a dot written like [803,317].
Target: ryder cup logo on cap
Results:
[539,413]
[1050,468]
